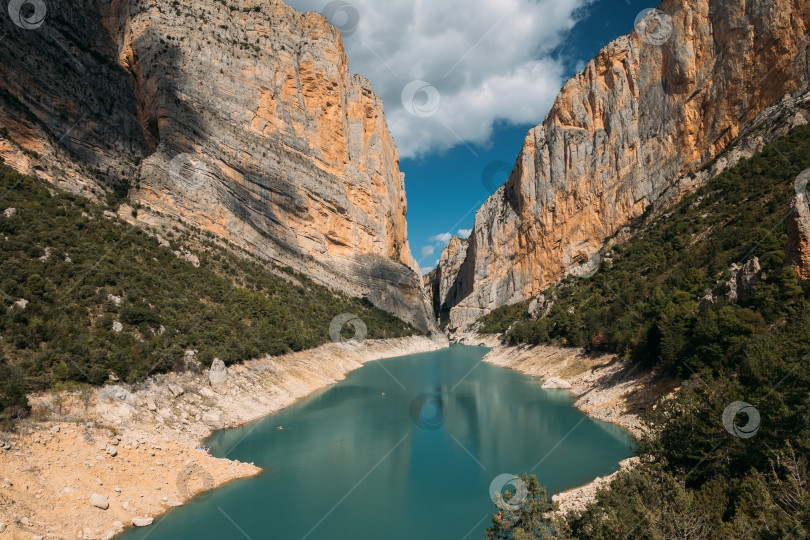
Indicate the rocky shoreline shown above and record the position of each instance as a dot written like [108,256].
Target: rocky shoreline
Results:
[120,455]
[578,498]
[606,387]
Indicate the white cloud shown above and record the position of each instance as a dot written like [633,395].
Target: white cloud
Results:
[442,239]
[488,59]
[427,251]
[426,271]
[464,233]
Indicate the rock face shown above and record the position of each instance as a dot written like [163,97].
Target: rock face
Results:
[445,284]
[798,252]
[239,118]
[626,136]
[743,279]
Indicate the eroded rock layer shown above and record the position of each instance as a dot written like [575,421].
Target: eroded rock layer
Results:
[239,118]
[627,134]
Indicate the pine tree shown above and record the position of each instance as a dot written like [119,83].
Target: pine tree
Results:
[523,519]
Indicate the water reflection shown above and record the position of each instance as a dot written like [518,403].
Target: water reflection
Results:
[352,462]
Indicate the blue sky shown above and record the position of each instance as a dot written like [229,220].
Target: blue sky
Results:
[462,82]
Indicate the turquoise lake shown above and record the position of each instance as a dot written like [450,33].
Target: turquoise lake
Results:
[403,449]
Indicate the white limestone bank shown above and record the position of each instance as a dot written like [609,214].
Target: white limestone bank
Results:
[606,387]
[137,447]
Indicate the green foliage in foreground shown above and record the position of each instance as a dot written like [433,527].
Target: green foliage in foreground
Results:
[67,260]
[698,480]
[521,516]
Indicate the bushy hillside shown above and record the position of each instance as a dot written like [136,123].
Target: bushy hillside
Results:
[647,298]
[661,299]
[69,275]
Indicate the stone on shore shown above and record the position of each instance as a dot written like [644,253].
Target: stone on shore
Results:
[142,521]
[556,383]
[218,376]
[99,501]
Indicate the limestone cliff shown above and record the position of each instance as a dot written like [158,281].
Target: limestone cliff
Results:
[445,284]
[626,135]
[239,118]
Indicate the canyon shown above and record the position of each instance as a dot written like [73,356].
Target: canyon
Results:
[239,121]
[625,139]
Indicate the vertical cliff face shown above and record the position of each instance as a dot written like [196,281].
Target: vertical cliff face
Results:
[240,118]
[445,283]
[627,134]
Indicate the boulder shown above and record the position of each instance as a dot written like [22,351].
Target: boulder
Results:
[9,212]
[556,383]
[99,501]
[142,521]
[218,375]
